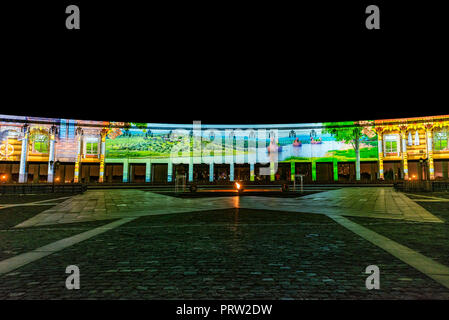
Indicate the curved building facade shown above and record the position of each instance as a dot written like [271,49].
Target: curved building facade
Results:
[40,150]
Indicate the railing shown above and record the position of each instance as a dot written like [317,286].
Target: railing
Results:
[422,186]
[30,188]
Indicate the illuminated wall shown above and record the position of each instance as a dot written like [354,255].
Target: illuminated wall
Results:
[304,142]
[44,140]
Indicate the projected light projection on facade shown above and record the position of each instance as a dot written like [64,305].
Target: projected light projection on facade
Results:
[102,151]
[322,142]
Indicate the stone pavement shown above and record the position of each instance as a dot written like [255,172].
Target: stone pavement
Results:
[221,248]
[429,267]
[429,239]
[373,202]
[222,254]
[46,202]
[376,202]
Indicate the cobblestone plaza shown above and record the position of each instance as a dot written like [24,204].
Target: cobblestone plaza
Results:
[136,244]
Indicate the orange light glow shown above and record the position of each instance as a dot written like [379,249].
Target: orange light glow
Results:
[237,185]
[4,177]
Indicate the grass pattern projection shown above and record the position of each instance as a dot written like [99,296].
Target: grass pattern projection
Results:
[339,141]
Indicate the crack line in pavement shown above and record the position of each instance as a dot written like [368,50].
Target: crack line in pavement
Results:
[178,226]
[430,200]
[426,197]
[33,203]
[431,268]
[20,260]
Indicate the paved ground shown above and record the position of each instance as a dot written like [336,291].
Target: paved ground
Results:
[216,194]
[110,204]
[27,198]
[430,239]
[14,241]
[226,248]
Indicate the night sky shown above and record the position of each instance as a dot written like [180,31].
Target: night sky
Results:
[224,63]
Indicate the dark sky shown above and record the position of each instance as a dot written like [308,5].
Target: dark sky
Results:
[225,63]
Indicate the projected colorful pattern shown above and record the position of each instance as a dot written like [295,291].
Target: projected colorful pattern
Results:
[397,145]
[322,141]
[335,141]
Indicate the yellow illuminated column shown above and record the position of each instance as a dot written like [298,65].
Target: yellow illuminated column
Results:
[381,154]
[79,135]
[430,151]
[404,153]
[102,153]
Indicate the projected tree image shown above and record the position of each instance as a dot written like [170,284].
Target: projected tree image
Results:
[351,133]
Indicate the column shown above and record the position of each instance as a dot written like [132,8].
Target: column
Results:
[102,153]
[335,168]
[292,170]
[125,171]
[404,153]
[211,172]
[148,171]
[357,160]
[170,172]
[23,176]
[131,171]
[79,135]
[51,156]
[381,155]
[313,170]
[231,171]
[430,152]
[251,172]
[191,169]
